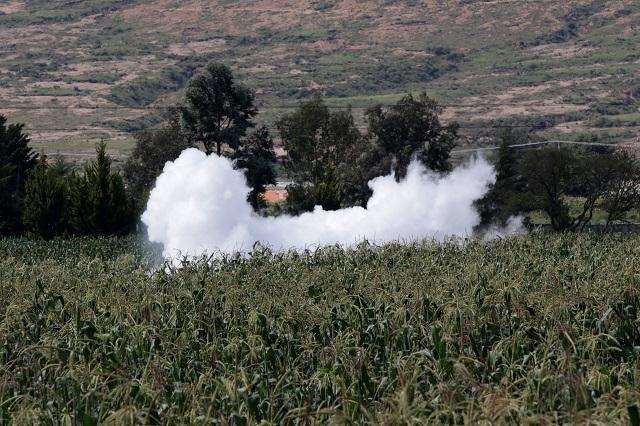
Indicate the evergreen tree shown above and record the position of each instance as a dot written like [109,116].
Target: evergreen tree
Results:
[7,206]
[16,159]
[99,202]
[325,189]
[45,204]
[502,200]
[256,157]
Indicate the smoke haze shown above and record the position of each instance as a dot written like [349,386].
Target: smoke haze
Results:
[199,206]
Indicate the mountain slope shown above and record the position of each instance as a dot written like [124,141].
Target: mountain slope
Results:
[77,71]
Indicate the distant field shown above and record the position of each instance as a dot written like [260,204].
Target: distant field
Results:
[77,72]
[539,329]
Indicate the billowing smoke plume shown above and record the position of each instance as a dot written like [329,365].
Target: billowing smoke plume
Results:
[199,206]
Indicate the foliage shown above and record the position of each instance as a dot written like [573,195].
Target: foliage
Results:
[154,148]
[145,90]
[502,200]
[99,202]
[534,329]
[217,110]
[256,157]
[299,199]
[364,161]
[411,128]
[313,137]
[46,201]
[552,175]
[622,192]
[319,145]
[16,159]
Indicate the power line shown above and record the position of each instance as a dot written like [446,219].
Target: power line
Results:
[552,141]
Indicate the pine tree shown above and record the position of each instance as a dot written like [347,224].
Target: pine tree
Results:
[502,200]
[256,157]
[45,204]
[16,159]
[99,202]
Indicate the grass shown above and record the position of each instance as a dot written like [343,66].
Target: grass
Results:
[626,117]
[534,329]
[576,204]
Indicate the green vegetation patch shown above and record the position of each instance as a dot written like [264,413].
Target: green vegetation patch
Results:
[40,12]
[545,324]
[144,91]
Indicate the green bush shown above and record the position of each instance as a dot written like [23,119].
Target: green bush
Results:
[16,159]
[99,203]
[46,202]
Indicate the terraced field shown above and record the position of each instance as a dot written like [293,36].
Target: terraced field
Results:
[76,72]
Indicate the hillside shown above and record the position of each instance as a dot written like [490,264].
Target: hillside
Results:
[76,72]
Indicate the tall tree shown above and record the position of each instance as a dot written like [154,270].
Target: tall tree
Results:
[256,156]
[99,202]
[411,128]
[153,149]
[502,199]
[549,174]
[622,192]
[363,161]
[217,111]
[553,176]
[46,201]
[16,159]
[318,142]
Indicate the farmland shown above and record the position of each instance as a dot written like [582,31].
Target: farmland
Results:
[531,329]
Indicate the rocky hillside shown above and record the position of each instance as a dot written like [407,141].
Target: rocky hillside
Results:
[77,71]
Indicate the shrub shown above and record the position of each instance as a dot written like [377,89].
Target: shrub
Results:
[46,202]
[16,159]
[99,202]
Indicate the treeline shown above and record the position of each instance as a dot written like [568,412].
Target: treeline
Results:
[567,184]
[329,161]
[48,199]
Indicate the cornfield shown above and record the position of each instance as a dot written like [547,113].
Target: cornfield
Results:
[537,329]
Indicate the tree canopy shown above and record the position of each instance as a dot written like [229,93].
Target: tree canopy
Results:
[503,199]
[256,157]
[152,151]
[411,128]
[217,111]
[46,201]
[99,202]
[318,142]
[16,159]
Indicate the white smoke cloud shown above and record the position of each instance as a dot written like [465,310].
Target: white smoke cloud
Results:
[199,206]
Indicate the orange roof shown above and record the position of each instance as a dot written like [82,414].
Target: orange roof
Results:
[274,195]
